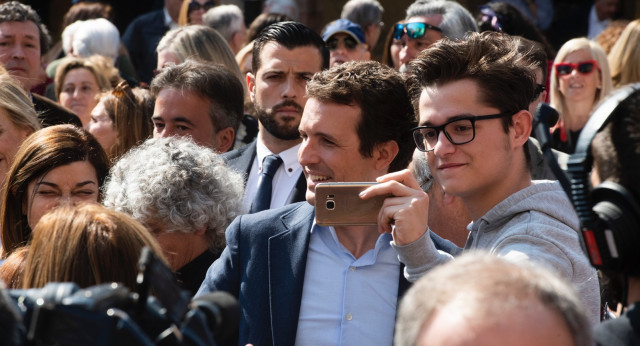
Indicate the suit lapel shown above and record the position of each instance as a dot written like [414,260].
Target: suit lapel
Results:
[287,263]
[245,160]
[299,190]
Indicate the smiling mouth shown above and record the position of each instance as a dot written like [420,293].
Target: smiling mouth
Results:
[318,178]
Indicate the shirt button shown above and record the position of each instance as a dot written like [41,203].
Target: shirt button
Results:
[352,268]
[349,317]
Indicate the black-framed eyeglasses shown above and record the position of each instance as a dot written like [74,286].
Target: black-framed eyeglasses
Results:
[194,6]
[413,30]
[539,89]
[349,42]
[458,131]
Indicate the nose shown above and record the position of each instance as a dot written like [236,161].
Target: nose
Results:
[306,153]
[443,145]
[17,52]
[289,88]
[405,55]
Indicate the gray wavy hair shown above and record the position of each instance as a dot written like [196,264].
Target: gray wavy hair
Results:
[179,184]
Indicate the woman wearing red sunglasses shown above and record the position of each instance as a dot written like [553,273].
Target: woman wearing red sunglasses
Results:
[579,80]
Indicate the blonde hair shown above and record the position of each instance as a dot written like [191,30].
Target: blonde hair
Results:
[69,64]
[576,44]
[18,105]
[87,245]
[625,56]
[201,43]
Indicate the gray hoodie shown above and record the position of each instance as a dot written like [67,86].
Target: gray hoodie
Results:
[537,223]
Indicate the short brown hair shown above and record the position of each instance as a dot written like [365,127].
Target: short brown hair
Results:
[100,246]
[380,92]
[490,59]
[212,82]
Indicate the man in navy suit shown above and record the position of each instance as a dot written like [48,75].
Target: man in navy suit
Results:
[301,283]
[143,34]
[285,57]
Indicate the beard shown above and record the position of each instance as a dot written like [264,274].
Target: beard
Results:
[283,131]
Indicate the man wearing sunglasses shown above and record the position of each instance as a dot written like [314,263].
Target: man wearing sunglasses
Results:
[429,21]
[346,42]
[472,96]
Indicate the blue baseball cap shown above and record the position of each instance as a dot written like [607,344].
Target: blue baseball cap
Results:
[344,26]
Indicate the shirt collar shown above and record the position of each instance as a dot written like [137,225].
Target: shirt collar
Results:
[328,233]
[289,157]
[168,21]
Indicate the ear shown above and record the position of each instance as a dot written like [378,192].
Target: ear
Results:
[384,153]
[236,40]
[200,231]
[521,127]
[225,139]
[366,54]
[251,85]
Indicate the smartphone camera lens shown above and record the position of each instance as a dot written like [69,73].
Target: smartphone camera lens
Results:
[331,205]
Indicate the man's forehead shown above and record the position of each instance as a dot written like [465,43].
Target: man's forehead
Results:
[26,28]
[433,19]
[274,51]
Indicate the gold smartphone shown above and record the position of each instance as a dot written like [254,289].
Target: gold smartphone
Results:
[338,204]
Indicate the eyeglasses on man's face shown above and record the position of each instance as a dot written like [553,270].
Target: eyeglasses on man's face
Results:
[539,89]
[194,6]
[349,42]
[413,30]
[584,67]
[458,131]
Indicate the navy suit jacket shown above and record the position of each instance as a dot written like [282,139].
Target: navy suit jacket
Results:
[263,265]
[242,160]
[141,39]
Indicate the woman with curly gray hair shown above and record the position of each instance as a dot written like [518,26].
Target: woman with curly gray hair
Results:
[186,196]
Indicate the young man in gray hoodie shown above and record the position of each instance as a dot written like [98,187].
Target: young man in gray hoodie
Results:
[472,97]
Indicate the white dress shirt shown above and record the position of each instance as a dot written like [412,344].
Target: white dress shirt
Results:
[284,180]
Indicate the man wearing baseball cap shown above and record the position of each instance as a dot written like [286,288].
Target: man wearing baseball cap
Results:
[346,42]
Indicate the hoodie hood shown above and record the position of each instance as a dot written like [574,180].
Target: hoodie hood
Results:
[543,196]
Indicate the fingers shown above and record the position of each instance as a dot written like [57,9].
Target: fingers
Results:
[404,186]
[407,217]
[404,177]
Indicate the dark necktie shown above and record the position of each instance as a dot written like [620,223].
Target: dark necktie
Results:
[262,199]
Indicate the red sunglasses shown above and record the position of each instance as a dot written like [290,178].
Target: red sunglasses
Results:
[584,67]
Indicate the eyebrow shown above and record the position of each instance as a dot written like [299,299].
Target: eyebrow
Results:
[178,119]
[80,184]
[455,117]
[326,135]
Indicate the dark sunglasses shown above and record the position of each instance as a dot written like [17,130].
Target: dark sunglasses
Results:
[194,6]
[584,67]
[349,43]
[413,30]
[539,89]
